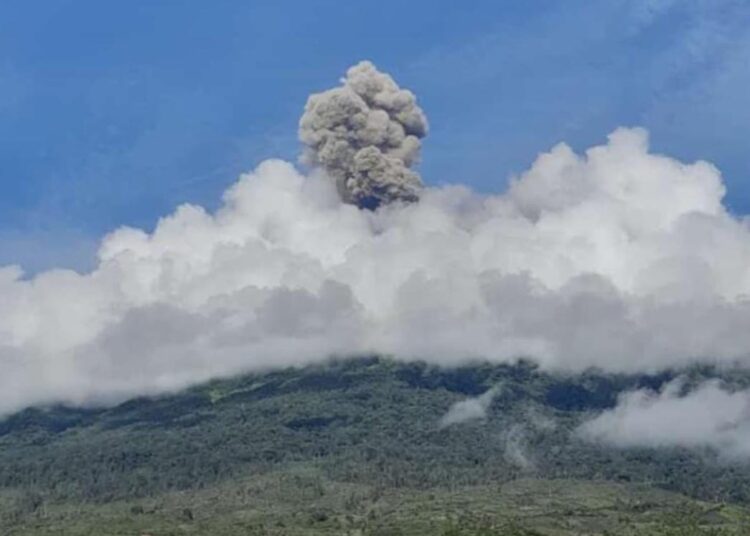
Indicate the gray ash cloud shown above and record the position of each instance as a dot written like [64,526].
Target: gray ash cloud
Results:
[366,135]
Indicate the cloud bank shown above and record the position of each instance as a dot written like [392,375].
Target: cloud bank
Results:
[617,258]
[708,417]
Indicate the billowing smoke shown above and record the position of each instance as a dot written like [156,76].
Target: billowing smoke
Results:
[617,258]
[366,134]
[709,416]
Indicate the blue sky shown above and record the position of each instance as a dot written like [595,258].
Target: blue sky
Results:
[113,113]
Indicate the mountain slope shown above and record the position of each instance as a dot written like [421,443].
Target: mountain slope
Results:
[356,445]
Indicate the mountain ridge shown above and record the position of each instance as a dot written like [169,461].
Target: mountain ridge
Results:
[367,424]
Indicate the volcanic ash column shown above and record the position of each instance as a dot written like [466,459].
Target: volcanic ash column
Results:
[366,134]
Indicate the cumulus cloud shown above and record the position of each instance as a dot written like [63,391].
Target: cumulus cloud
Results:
[617,258]
[471,409]
[709,416]
[366,135]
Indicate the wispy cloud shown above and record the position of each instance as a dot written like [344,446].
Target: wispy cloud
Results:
[709,416]
[471,409]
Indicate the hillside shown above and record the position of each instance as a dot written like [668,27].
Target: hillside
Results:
[357,447]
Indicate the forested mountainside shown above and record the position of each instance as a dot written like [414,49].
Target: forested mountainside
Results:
[359,447]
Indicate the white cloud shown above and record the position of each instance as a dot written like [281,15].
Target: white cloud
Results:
[710,416]
[617,258]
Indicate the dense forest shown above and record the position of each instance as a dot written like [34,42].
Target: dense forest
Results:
[357,445]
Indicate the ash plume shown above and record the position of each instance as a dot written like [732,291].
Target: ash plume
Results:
[365,134]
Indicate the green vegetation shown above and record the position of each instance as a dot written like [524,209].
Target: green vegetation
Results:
[299,500]
[355,447]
